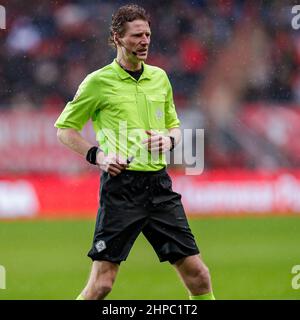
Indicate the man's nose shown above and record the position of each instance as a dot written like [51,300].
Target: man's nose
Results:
[145,40]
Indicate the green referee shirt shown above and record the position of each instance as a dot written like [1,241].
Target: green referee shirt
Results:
[121,109]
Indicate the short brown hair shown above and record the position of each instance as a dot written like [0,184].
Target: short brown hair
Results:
[127,13]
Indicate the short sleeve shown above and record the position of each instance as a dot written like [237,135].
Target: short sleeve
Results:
[171,118]
[78,111]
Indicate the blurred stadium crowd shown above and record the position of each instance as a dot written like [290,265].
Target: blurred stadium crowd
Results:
[234,67]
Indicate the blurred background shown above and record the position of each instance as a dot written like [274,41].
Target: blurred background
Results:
[234,67]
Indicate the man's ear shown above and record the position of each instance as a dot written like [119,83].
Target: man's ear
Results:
[116,39]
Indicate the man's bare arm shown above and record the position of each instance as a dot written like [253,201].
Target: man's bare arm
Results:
[112,164]
[74,140]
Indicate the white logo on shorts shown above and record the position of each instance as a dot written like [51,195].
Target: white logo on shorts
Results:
[100,245]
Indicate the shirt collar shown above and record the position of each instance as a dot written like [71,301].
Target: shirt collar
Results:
[125,75]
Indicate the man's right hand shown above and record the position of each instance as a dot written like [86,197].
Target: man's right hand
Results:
[112,163]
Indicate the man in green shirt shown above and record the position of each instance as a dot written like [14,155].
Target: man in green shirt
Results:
[131,106]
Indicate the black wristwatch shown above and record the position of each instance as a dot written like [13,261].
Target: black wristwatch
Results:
[172,143]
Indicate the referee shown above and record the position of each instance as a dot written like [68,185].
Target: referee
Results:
[131,106]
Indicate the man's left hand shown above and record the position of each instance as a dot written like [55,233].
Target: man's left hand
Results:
[157,142]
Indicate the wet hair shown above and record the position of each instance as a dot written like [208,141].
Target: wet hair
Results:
[127,13]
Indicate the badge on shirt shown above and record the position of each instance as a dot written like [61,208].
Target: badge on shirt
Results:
[159,114]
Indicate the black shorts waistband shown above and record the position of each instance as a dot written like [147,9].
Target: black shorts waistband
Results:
[134,172]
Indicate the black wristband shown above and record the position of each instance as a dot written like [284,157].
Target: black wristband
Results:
[91,155]
[172,143]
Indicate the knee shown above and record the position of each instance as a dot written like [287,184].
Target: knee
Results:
[202,274]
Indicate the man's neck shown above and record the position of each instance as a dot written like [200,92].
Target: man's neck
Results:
[129,65]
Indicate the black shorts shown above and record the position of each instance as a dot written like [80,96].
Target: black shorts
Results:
[134,202]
